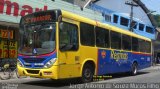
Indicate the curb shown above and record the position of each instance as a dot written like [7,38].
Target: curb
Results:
[156,67]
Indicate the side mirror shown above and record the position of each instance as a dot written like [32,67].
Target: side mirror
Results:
[61,25]
[60,18]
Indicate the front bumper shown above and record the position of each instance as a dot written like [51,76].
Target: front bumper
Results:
[39,73]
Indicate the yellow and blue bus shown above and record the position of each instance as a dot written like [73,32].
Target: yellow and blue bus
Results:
[58,44]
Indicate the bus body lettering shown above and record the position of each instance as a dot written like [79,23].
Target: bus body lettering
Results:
[118,55]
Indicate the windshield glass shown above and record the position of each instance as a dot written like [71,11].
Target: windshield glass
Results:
[37,39]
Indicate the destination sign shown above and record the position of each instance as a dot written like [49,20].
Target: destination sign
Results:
[39,17]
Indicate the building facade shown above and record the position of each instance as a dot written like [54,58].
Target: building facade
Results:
[12,10]
[130,15]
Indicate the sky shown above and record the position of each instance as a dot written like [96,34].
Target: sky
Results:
[153,5]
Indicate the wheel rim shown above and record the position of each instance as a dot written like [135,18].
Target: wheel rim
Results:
[134,69]
[87,73]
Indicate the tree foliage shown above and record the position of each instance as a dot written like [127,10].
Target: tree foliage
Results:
[157,19]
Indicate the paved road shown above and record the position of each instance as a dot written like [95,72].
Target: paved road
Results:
[119,81]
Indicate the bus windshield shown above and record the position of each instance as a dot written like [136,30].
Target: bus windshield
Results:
[37,39]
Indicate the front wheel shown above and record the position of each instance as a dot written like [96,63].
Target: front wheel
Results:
[87,73]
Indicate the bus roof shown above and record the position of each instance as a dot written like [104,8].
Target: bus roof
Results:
[99,24]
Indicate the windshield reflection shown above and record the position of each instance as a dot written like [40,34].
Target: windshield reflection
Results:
[37,39]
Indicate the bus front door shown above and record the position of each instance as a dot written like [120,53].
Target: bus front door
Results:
[68,54]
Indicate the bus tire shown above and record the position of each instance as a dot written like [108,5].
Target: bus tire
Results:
[87,73]
[134,69]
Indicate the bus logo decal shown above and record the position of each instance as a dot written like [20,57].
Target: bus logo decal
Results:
[103,54]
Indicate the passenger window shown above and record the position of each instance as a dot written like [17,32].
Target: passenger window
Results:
[135,44]
[141,27]
[134,24]
[115,18]
[102,37]
[148,46]
[142,45]
[115,40]
[124,21]
[126,42]
[68,37]
[87,34]
[107,18]
[149,29]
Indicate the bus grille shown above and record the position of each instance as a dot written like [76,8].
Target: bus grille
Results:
[33,60]
[33,71]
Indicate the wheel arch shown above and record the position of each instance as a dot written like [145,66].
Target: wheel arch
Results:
[89,61]
[135,61]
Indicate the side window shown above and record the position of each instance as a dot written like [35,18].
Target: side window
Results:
[141,27]
[124,21]
[107,18]
[148,46]
[149,29]
[134,24]
[102,37]
[135,44]
[142,45]
[87,34]
[115,40]
[115,18]
[126,42]
[68,37]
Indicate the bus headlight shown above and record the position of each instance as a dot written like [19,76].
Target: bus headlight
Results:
[19,63]
[50,63]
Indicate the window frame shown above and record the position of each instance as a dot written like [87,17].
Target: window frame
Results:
[140,26]
[92,44]
[137,44]
[142,47]
[76,37]
[120,45]
[123,21]
[148,50]
[104,30]
[107,18]
[115,18]
[135,24]
[149,29]
[124,36]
